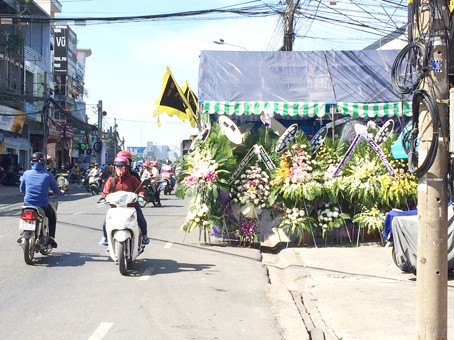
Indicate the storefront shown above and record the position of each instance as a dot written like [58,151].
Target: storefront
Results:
[18,149]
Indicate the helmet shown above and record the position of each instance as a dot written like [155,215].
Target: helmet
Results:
[168,161]
[38,157]
[125,153]
[147,163]
[121,160]
[155,163]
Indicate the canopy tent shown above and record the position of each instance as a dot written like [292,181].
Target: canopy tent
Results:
[304,84]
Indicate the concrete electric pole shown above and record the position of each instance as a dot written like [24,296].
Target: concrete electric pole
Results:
[98,149]
[432,267]
[289,33]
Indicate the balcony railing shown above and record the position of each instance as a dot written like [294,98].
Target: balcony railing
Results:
[32,55]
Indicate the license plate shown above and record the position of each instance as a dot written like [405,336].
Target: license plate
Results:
[27,225]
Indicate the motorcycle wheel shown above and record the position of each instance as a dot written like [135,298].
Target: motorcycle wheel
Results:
[167,190]
[29,250]
[122,261]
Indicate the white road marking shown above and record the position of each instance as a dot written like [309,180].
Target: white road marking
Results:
[168,245]
[146,274]
[101,331]
[78,213]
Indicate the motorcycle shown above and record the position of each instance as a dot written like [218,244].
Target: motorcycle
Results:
[152,190]
[123,233]
[84,180]
[168,184]
[62,181]
[94,184]
[34,227]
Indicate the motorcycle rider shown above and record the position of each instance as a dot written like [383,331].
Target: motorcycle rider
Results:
[35,184]
[122,179]
[95,171]
[128,155]
[95,174]
[167,172]
[147,172]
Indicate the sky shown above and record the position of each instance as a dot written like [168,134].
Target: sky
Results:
[129,60]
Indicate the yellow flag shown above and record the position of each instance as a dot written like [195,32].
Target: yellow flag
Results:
[172,100]
[193,102]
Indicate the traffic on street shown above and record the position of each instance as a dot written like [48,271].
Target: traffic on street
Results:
[178,288]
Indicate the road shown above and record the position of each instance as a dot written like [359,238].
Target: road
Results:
[177,289]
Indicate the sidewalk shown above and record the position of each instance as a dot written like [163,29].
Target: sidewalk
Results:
[352,292]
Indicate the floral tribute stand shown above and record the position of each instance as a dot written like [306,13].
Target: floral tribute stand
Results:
[250,193]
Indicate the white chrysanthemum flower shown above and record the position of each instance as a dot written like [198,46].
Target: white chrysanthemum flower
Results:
[335,214]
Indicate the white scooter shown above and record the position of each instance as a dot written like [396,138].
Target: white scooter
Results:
[123,232]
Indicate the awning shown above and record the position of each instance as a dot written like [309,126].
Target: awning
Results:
[308,109]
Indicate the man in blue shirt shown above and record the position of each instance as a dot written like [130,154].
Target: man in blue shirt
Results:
[35,184]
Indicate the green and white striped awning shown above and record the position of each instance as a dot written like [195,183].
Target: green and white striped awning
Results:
[308,109]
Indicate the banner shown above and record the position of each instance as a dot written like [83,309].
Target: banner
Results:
[172,100]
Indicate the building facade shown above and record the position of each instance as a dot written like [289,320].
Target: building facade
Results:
[42,72]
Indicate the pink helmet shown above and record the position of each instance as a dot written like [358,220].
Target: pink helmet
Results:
[121,160]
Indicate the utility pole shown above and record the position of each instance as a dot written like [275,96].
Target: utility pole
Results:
[46,110]
[115,137]
[100,114]
[289,33]
[432,265]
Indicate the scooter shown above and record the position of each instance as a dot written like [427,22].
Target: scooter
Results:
[94,184]
[123,232]
[34,227]
[62,181]
[168,184]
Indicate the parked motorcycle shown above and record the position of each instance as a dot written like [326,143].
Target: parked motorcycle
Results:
[123,232]
[152,190]
[10,178]
[34,227]
[62,181]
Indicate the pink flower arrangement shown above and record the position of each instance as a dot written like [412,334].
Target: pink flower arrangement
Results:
[203,172]
[300,169]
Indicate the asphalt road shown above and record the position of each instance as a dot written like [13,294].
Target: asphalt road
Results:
[177,289]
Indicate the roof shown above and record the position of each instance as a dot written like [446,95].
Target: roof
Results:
[299,83]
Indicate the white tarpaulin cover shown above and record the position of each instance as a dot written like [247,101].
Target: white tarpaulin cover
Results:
[299,83]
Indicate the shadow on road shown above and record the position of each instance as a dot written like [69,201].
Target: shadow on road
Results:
[68,259]
[160,266]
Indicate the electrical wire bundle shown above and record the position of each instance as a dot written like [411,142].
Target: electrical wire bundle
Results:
[411,68]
